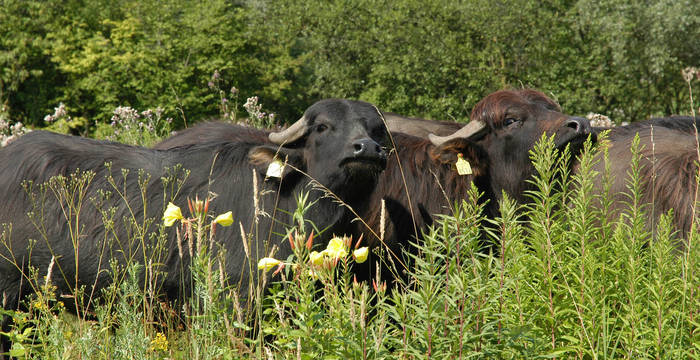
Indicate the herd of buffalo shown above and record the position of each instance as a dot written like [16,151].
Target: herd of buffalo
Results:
[340,146]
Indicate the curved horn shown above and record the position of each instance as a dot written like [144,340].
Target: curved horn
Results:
[473,128]
[292,133]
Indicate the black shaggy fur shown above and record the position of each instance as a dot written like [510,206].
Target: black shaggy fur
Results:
[224,168]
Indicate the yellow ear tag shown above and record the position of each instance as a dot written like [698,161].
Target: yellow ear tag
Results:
[463,167]
[275,169]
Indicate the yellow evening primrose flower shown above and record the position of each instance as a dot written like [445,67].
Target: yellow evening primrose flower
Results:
[316,258]
[361,254]
[267,263]
[225,219]
[172,214]
[336,248]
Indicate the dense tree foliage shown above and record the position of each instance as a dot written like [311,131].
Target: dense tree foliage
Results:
[424,58]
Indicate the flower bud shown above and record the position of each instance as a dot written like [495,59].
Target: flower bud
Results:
[360,254]
[225,219]
[267,263]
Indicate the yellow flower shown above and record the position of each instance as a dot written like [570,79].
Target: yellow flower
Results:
[40,305]
[225,219]
[268,263]
[316,258]
[336,248]
[172,214]
[160,342]
[361,254]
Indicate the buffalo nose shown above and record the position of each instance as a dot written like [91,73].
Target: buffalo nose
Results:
[579,124]
[367,148]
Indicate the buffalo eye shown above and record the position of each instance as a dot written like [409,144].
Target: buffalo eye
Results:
[321,128]
[510,121]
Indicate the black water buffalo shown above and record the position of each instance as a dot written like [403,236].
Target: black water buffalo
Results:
[339,143]
[495,142]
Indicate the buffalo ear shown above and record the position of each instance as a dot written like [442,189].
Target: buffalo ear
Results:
[447,154]
[261,157]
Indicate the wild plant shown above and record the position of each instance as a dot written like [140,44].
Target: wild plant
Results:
[60,121]
[143,128]
[228,106]
[228,101]
[9,131]
[110,305]
[570,274]
[317,294]
[689,74]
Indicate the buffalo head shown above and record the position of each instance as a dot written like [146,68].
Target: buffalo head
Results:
[339,143]
[504,126]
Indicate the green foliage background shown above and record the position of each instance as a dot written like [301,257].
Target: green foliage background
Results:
[434,58]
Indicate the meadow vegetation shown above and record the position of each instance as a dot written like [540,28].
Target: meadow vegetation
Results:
[553,278]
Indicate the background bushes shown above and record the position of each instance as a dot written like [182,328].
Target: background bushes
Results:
[430,58]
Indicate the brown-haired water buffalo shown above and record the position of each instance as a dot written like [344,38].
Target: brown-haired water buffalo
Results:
[496,143]
[340,143]
[668,155]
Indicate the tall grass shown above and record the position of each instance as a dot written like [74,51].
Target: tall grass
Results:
[552,278]
[557,277]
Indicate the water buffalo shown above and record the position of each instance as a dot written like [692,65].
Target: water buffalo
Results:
[420,180]
[339,143]
[668,154]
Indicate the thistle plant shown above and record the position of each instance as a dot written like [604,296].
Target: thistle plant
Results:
[256,116]
[599,120]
